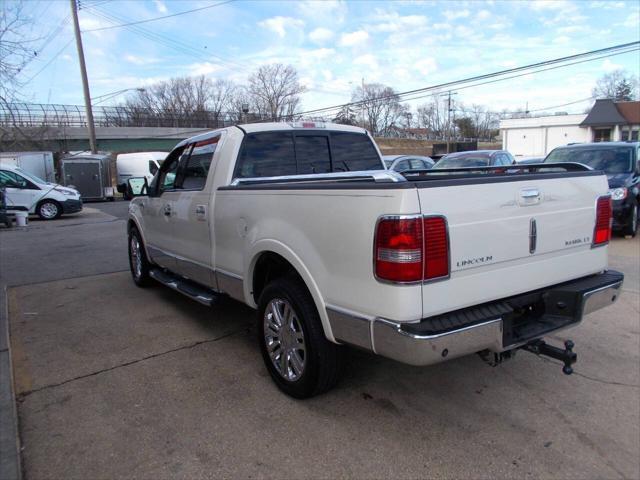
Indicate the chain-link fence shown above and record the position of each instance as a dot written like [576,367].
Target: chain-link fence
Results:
[52,115]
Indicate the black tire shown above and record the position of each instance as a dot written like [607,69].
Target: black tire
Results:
[631,228]
[140,273]
[49,209]
[323,360]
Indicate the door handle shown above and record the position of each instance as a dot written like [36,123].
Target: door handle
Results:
[167,210]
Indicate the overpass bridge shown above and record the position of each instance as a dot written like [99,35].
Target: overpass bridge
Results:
[63,128]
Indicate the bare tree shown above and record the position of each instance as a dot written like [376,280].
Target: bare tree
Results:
[222,95]
[618,85]
[16,51]
[275,91]
[433,116]
[379,107]
[198,100]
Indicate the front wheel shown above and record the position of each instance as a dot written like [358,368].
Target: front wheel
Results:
[632,222]
[299,358]
[49,210]
[138,262]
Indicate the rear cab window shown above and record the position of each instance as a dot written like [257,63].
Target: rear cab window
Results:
[284,153]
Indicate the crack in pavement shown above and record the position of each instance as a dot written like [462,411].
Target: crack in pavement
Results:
[593,379]
[23,395]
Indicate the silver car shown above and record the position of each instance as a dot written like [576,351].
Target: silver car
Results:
[403,163]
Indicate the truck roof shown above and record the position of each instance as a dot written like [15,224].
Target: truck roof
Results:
[277,126]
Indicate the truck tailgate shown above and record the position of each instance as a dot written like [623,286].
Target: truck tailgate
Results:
[511,236]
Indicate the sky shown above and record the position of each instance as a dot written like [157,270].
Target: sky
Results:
[334,46]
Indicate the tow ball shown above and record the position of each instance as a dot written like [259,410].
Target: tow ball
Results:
[566,356]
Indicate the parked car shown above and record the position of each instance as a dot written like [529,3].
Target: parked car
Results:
[26,192]
[476,158]
[621,162]
[139,164]
[419,271]
[403,163]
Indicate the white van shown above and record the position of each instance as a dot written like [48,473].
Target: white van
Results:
[39,164]
[139,164]
[27,193]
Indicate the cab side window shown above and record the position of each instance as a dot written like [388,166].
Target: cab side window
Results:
[267,155]
[195,168]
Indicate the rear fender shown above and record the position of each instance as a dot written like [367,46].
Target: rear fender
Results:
[284,251]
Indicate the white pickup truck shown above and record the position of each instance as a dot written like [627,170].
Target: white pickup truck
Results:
[302,223]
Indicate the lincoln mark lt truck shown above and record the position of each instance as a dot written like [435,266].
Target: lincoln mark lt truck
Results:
[301,222]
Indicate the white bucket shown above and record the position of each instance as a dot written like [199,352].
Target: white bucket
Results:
[22,219]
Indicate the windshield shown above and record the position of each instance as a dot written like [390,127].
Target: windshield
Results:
[461,162]
[31,177]
[609,160]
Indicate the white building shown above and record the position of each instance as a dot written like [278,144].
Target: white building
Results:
[537,136]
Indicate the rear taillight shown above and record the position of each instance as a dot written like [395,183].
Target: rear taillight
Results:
[398,249]
[436,248]
[411,249]
[602,230]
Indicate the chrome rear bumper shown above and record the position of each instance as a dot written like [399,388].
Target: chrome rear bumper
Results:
[565,306]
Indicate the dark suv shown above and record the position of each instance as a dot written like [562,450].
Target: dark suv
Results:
[621,162]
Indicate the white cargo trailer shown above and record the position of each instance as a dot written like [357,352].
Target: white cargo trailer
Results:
[39,164]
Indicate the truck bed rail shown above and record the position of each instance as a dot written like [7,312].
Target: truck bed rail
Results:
[503,169]
[376,176]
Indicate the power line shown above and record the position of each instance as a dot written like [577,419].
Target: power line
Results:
[156,18]
[484,76]
[529,73]
[167,41]
[49,62]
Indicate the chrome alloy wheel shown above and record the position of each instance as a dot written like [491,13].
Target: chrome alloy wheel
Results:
[136,256]
[284,339]
[49,210]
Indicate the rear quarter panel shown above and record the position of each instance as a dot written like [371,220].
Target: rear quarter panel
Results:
[326,234]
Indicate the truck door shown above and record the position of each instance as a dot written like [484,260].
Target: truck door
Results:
[159,208]
[191,215]
[19,192]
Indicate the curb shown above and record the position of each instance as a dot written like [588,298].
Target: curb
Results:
[9,440]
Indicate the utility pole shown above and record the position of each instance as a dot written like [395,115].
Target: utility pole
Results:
[85,80]
[364,124]
[449,123]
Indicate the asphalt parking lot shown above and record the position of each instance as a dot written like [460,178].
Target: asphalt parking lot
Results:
[115,381]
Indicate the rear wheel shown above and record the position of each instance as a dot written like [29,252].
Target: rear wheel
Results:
[49,209]
[138,262]
[632,222]
[299,358]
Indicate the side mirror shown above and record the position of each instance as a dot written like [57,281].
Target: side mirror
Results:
[137,187]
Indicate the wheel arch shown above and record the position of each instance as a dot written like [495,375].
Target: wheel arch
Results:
[48,199]
[273,260]
[132,223]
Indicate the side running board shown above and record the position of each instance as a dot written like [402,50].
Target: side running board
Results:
[190,289]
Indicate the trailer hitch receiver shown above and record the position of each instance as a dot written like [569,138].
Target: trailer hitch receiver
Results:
[566,356]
